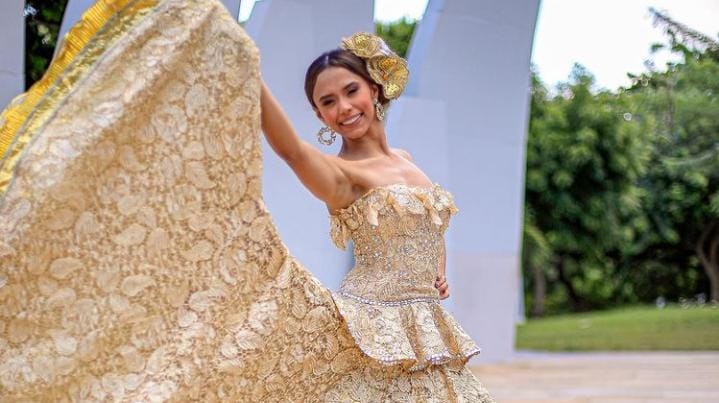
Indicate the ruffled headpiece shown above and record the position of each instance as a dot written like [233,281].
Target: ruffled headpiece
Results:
[384,66]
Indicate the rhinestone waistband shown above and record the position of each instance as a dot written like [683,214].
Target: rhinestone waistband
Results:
[400,302]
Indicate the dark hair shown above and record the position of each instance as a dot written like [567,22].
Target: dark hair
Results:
[339,58]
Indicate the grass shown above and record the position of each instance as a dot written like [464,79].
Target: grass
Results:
[629,328]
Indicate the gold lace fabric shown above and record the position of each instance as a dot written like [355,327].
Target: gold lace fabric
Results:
[388,299]
[137,259]
[404,199]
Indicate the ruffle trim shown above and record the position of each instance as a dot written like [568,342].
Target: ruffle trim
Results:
[28,110]
[367,208]
[414,333]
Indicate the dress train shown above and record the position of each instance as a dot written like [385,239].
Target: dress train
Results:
[137,259]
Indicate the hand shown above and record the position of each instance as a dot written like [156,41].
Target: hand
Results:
[441,285]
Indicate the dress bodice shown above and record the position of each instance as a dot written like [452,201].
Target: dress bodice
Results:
[397,231]
[388,299]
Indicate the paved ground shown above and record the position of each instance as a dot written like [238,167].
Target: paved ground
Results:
[606,377]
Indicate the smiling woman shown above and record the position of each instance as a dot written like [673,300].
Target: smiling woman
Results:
[343,98]
[346,60]
[138,261]
[396,218]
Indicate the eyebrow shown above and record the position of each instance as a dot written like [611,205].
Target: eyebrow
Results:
[345,87]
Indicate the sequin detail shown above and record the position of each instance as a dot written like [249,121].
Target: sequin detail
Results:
[389,303]
[388,299]
[412,333]
[403,199]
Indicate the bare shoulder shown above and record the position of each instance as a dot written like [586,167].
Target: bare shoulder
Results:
[403,153]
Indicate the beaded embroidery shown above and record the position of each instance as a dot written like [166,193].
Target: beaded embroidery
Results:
[388,299]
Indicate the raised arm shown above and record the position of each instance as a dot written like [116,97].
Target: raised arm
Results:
[319,172]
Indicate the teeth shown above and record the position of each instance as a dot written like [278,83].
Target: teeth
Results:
[352,120]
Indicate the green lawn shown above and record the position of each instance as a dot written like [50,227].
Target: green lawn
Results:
[630,328]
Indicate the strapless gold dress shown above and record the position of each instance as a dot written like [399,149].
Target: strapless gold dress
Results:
[138,261]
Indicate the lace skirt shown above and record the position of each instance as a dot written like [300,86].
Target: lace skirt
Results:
[137,259]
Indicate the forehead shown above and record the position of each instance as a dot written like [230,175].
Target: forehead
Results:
[334,79]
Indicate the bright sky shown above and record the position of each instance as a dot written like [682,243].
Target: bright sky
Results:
[608,37]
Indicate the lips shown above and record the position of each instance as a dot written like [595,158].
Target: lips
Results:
[352,120]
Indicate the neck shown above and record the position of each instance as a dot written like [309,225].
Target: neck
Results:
[372,144]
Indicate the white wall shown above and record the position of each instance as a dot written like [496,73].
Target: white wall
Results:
[12,50]
[290,35]
[473,56]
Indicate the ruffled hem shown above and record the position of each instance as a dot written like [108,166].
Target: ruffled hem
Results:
[413,333]
[431,385]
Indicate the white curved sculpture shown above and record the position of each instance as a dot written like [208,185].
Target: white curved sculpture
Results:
[465,117]
[290,35]
[12,45]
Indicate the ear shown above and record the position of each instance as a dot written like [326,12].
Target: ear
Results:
[375,91]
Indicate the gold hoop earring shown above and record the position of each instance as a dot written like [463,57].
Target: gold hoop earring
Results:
[321,138]
[379,110]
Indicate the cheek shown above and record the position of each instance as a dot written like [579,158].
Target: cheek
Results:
[324,112]
[329,115]
[366,103]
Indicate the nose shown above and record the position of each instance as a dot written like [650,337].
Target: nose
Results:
[345,106]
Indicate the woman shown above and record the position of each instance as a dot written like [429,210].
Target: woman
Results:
[348,101]
[137,259]
[381,200]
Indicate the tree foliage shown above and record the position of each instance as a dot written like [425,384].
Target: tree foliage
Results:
[622,192]
[42,25]
[680,107]
[583,160]
[397,34]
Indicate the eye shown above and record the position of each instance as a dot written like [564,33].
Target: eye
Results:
[327,102]
[352,90]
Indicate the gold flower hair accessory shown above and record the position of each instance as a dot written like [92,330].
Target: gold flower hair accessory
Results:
[383,65]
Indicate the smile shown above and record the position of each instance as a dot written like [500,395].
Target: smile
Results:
[351,120]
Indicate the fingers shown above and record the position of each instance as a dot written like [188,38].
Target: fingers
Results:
[441,285]
[444,291]
[439,281]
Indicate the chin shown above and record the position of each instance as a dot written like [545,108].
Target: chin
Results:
[355,134]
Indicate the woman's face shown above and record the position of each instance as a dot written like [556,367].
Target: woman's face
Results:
[344,101]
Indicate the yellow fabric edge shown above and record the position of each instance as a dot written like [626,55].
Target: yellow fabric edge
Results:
[17,113]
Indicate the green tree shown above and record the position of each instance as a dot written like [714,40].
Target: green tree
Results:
[397,34]
[42,25]
[680,107]
[622,194]
[583,160]
[536,251]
